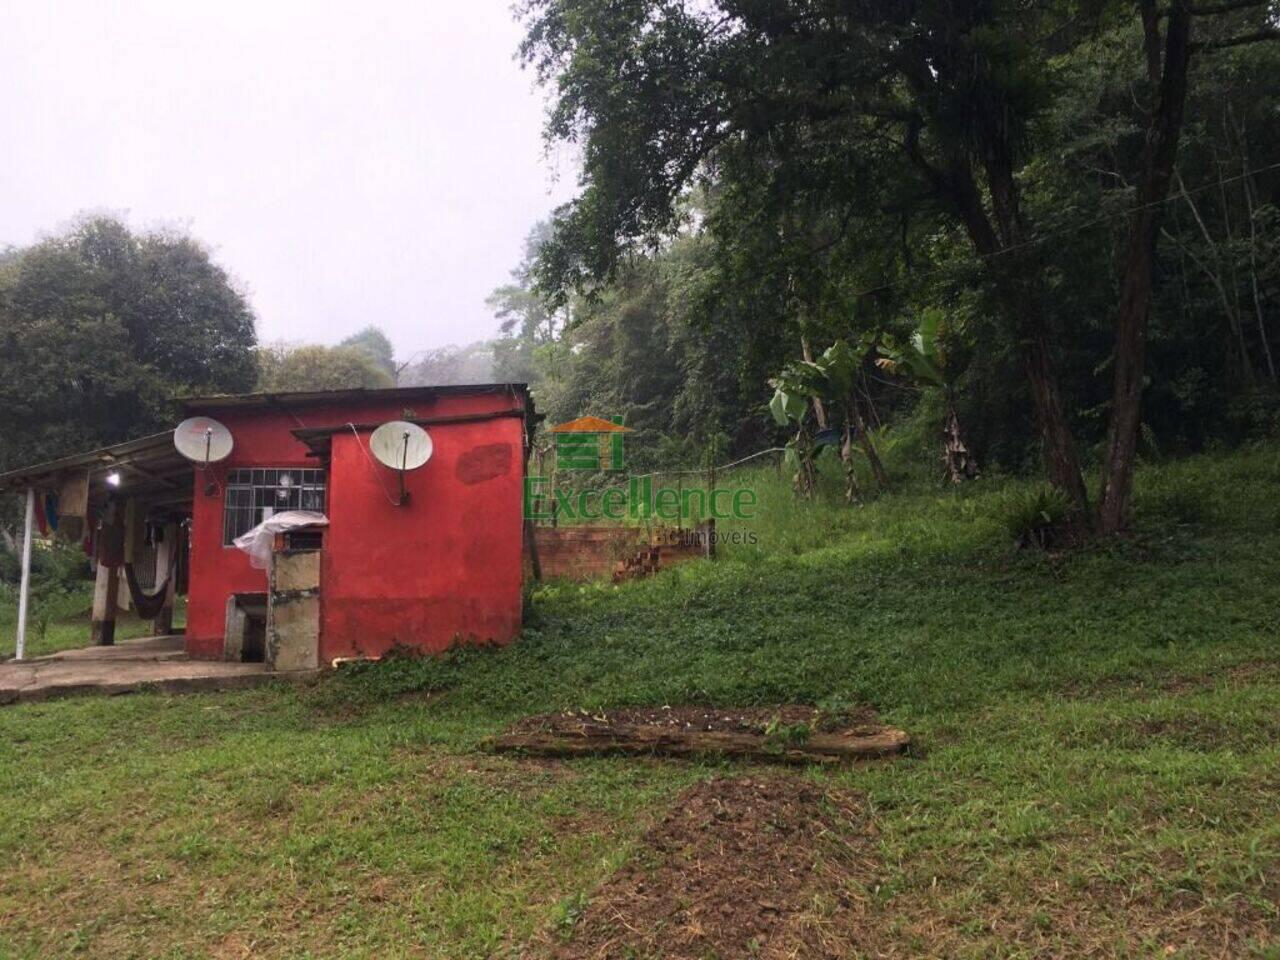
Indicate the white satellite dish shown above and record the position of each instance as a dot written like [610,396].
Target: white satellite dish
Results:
[203,440]
[402,446]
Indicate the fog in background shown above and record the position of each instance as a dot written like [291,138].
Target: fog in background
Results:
[348,163]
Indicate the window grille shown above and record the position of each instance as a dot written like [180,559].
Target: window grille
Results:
[254,495]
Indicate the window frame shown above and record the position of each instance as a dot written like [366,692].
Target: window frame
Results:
[246,487]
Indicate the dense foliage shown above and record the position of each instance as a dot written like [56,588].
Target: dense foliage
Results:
[441,366]
[659,346]
[376,344]
[284,367]
[1086,192]
[100,327]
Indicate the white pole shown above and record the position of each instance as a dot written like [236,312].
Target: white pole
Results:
[25,588]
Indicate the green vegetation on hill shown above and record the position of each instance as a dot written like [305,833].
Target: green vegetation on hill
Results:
[918,601]
[1096,769]
[1075,203]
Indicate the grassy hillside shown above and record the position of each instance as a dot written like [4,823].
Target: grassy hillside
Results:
[1096,772]
[915,603]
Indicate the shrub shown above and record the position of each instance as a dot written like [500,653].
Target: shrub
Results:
[55,567]
[1036,517]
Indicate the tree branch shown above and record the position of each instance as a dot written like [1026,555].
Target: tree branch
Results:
[1258,36]
[1151,39]
[1227,6]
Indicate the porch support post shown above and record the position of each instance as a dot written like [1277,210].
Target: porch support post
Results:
[24,589]
[106,590]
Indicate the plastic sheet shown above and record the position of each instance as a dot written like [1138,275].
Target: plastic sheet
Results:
[257,542]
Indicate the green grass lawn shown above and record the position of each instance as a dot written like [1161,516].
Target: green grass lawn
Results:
[1097,771]
[61,622]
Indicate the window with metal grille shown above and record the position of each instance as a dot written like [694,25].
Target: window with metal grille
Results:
[254,495]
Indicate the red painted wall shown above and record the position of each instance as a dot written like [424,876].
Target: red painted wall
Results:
[443,568]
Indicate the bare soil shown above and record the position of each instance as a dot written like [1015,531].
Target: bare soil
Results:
[737,868]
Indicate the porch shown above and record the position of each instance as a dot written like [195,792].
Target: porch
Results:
[130,666]
[128,506]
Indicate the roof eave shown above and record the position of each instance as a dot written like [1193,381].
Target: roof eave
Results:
[301,398]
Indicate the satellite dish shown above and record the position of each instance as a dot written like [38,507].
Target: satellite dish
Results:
[203,440]
[402,446]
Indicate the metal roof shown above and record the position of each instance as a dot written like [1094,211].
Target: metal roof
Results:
[154,469]
[149,466]
[319,438]
[311,397]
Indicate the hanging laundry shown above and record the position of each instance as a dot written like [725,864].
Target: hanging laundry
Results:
[135,531]
[73,497]
[111,535]
[42,521]
[73,508]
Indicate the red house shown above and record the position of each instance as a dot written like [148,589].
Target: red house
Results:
[419,559]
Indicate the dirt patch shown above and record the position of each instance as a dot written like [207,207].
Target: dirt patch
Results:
[733,870]
[1247,674]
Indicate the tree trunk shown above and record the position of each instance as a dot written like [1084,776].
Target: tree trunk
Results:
[1134,313]
[869,448]
[819,409]
[1017,273]
[851,492]
[1058,446]
[960,464]
[1016,283]
[806,478]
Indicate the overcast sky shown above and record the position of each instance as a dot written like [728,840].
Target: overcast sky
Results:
[348,163]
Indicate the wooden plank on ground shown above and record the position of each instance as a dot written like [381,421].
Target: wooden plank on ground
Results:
[591,738]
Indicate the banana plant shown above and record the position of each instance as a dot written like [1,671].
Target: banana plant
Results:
[925,360]
[830,379]
[789,405]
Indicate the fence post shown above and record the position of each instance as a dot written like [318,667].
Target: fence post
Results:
[555,502]
[679,500]
[709,528]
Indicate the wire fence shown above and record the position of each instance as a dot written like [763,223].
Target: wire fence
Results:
[549,505]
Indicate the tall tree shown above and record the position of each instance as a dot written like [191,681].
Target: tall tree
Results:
[849,111]
[101,327]
[1168,67]
[441,366]
[287,367]
[805,95]
[530,326]
[375,343]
